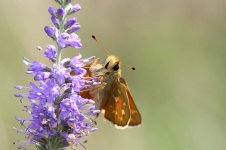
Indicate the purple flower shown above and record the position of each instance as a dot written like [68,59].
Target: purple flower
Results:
[55,101]
[52,10]
[60,74]
[50,52]
[66,39]
[76,61]
[71,114]
[50,31]
[36,67]
[40,71]
[60,12]
[18,87]
[55,21]
[77,65]
[75,8]
[39,76]
[58,115]
[74,28]
[70,22]
[45,92]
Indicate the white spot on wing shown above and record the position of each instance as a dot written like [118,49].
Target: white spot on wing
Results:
[134,112]
[123,112]
[116,99]
[114,112]
[103,111]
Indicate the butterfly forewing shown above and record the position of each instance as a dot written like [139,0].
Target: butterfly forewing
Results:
[116,104]
[135,118]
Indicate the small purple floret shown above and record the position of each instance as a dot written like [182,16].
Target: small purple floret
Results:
[60,12]
[36,67]
[50,52]
[70,22]
[50,31]
[74,28]
[55,21]
[52,10]
[66,39]
[75,8]
[18,87]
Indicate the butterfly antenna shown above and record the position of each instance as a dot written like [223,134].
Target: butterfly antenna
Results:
[103,48]
[132,68]
[107,51]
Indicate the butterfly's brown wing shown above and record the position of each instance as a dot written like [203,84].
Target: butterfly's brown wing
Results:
[85,93]
[135,118]
[115,104]
[90,68]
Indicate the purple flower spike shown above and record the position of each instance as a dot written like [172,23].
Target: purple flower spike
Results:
[58,116]
[50,31]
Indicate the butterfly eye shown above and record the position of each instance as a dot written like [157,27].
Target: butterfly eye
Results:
[116,67]
[106,66]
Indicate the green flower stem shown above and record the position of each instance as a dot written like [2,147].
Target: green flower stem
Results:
[58,58]
[61,30]
[52,143]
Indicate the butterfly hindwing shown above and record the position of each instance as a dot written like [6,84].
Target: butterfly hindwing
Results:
[91,69]
[135,118]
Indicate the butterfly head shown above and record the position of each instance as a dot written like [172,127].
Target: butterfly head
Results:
[112,64]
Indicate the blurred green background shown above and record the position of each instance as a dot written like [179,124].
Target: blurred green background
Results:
[178,48]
